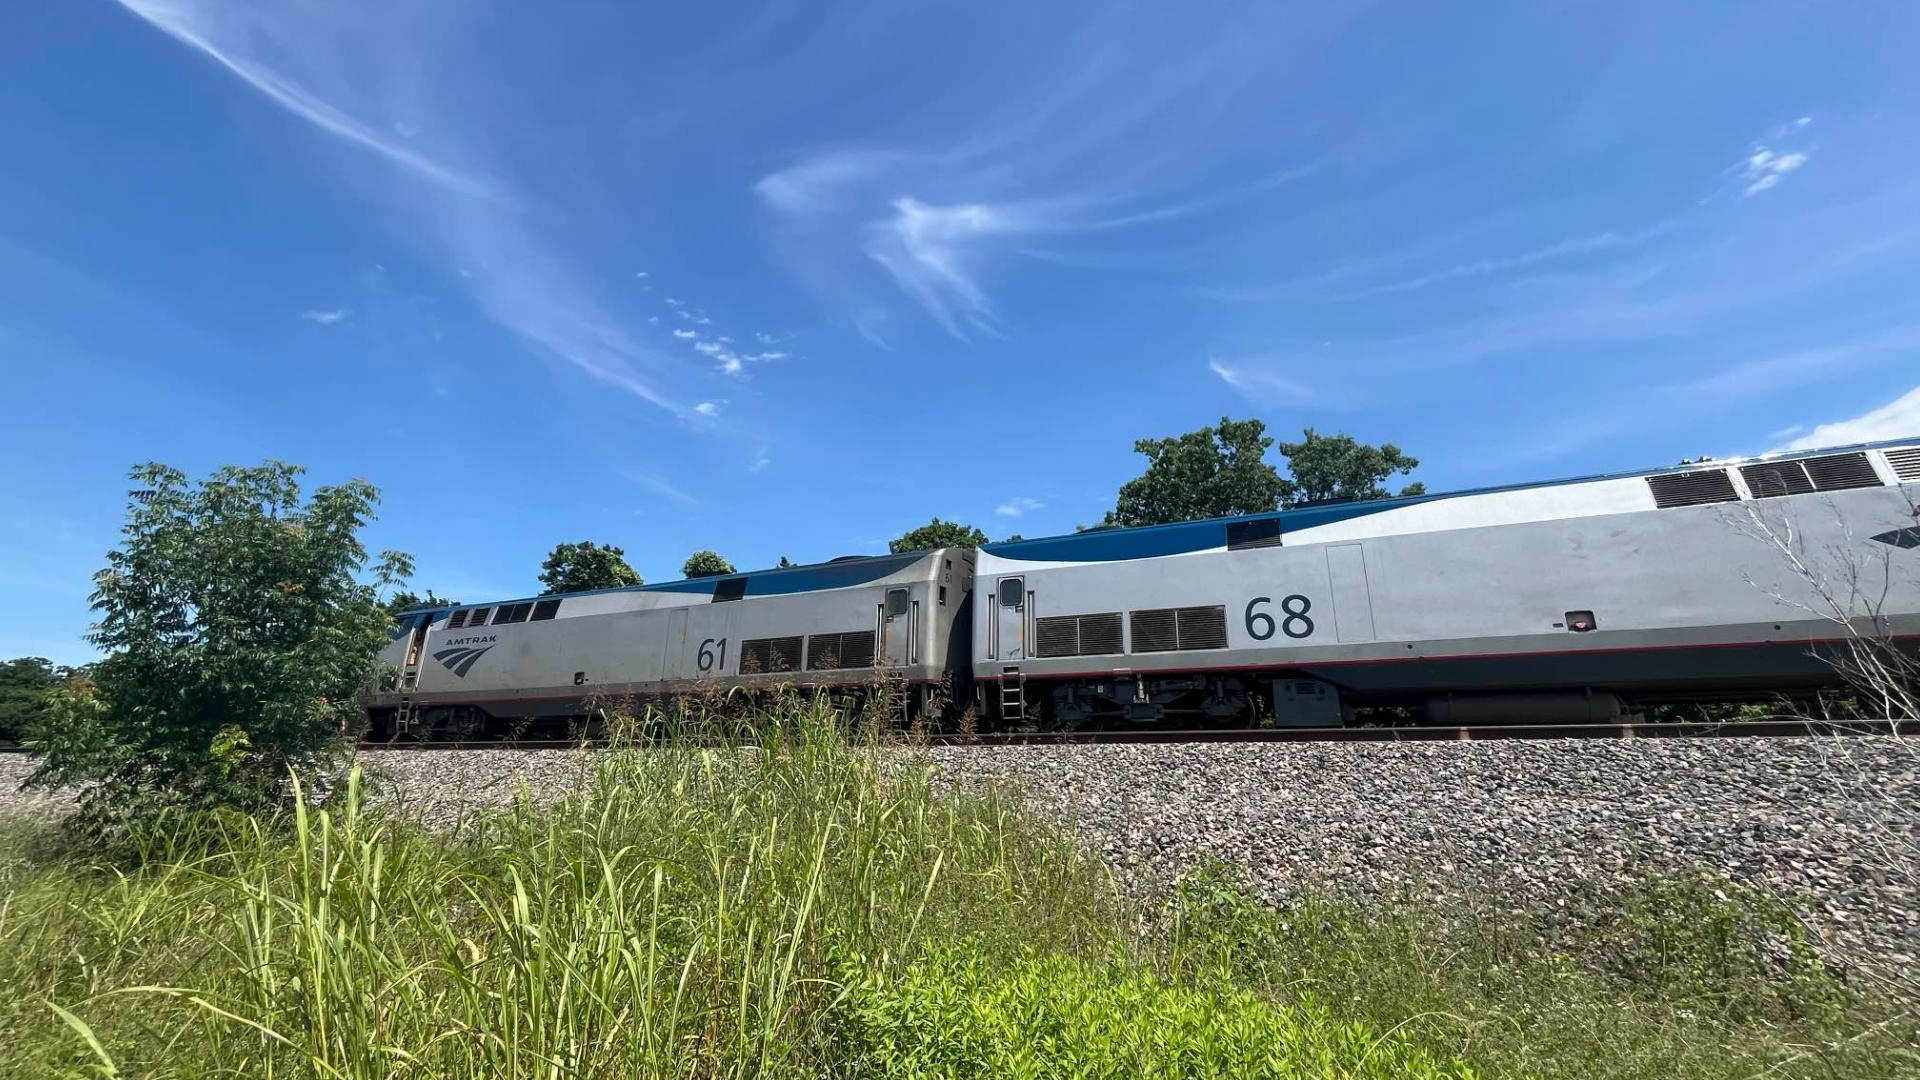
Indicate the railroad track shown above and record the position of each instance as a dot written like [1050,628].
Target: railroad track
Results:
[1754,729]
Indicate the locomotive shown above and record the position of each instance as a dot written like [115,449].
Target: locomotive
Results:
[1568,600]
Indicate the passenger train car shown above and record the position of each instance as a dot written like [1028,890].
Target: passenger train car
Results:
[1554,601]
[1568,600]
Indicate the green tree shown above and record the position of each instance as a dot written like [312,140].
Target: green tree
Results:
[1222,471]
[1212,472]
[24,686]
[938,534]
[241,625]
[1338,467]
[405,600]
[586,565]
[706,563]
[785,563]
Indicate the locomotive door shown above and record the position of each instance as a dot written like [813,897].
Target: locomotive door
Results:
[896,629]
[1010,619]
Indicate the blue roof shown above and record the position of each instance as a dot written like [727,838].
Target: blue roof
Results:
[839,574]
[1154,541]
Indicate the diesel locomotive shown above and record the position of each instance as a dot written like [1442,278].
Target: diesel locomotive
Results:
[1567,600]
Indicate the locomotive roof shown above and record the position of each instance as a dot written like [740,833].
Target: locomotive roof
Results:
[834,574]
[1149,541]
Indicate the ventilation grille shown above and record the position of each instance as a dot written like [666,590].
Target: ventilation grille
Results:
[1078,635]
[767,656]
[458,620]
[1776,478]
[477,616]
[545,609]
[1905,462]
[1170,629]
[1692,488]
[1837,472]
[838,652]
[512,613]
[1264,533]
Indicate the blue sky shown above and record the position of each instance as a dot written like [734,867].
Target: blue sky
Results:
[789,278]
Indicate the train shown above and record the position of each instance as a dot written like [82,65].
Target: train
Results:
[1568,600]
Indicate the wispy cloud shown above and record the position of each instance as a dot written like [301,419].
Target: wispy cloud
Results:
[325,317]
[659,486]
[1016,507]
[707,408]
[687,335]
[1897,419]
[1765,165]
[1263,385]
[337,72]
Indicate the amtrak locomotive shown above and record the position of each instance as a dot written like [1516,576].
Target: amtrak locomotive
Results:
[1568,600]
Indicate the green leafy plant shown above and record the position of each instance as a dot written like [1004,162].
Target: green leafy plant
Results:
[240,629]
[706,563]
[586,565]
[938,534]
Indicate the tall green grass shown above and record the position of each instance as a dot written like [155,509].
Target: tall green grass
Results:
[809,906]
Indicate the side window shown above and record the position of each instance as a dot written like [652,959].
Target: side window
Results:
[896,603]
[733,588]
[1012,591]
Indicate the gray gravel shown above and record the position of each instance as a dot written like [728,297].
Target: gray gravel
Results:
[1831,823]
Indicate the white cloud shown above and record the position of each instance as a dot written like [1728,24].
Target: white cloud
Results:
[675,302]
[325,318]
[760,460]
[333,71]
[927,250]
[730,364]
[1017,506]
[707,408]
[1264,387]
[687,335]
[1897,419]
[1764,168]
[641,274]
[659,486]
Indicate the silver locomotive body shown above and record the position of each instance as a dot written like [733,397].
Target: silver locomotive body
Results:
[897,618]
[1552,601]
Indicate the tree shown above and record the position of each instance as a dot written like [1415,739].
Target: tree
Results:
[1337,467]
[784,563]
[586,565]
[241,624]
[706,563]
[1212,472]
[405,600]
[938,534]
[24,686]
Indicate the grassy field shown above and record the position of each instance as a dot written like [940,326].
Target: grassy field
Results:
[819,908]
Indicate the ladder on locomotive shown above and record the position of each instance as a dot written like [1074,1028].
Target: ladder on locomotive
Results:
[1013,693]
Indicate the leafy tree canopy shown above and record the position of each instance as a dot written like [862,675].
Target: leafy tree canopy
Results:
[241,623]
[1337,467]
[706,563]
[406,600]
[1212,472]
[1222,471]
[938,534]
[24,686]
[586,565]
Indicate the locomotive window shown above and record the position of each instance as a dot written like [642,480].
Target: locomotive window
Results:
[896,603]
[943,596]
[545,609]
[1010,590]
[733,588]
[1253,534]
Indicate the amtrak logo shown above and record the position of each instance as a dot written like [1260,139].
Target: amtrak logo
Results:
[461,660]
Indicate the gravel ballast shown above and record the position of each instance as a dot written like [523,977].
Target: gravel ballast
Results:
[1832,823]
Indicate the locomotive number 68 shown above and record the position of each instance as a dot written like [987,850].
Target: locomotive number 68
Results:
[1296,620]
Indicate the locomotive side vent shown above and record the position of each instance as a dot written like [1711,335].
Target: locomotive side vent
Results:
[477,616]
[458,620]
[1905,462]
[512,613]
[1837,472]
[838,652]
[765,656]
[1776,478]
[1170,629]
[1078,635]
[1253,534]
[1692,488]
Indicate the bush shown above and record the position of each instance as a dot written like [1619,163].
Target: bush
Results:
[240,635]
[957,1013]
